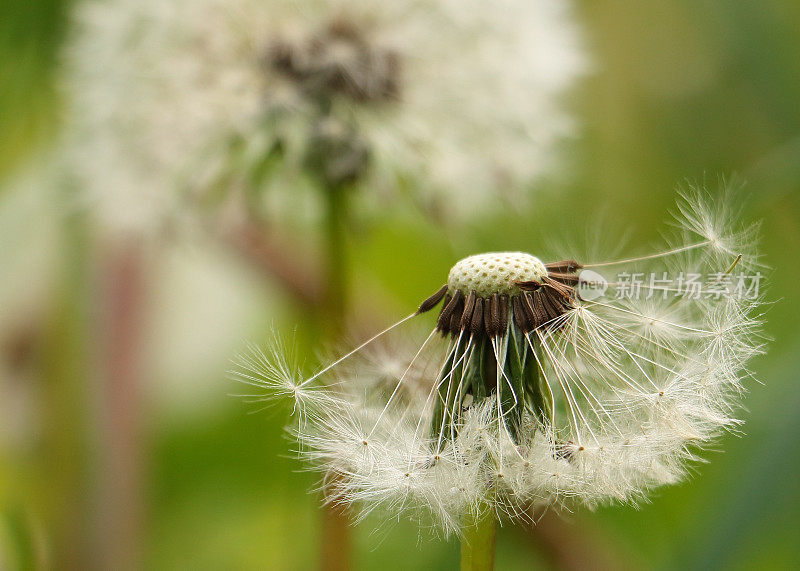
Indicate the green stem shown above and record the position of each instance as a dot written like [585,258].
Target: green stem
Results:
[336,291]
[477,546]
[336,540]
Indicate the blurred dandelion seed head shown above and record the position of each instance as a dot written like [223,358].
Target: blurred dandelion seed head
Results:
[338,60]
[525,393]
[459,101]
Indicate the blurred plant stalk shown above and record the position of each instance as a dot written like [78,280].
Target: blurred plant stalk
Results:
[336,548]
[92,394]
[121,496]
[65,475]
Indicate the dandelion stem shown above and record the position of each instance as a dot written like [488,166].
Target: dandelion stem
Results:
[336,541]
[477,546]
[336,290]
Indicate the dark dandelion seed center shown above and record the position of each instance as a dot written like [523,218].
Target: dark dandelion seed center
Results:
[339,60]
[538,305]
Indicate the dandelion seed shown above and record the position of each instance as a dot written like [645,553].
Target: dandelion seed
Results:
[539,396]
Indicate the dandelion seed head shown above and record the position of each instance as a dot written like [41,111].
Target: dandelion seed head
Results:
[528,394]
[171,104]
[499,273]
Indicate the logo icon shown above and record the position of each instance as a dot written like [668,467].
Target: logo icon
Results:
[591,285]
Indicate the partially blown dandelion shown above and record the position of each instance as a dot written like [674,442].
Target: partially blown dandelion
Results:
[535,389]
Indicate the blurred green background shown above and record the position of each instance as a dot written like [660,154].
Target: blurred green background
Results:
[683,90]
